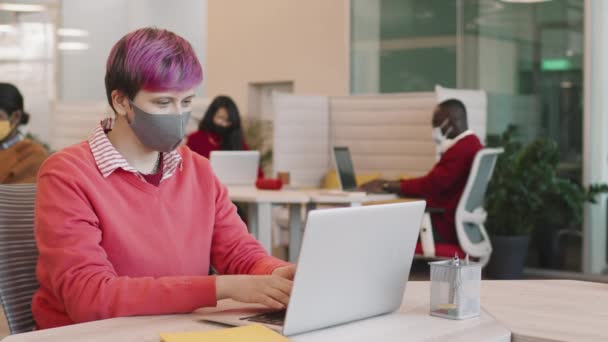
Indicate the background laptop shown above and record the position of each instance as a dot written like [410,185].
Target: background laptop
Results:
[354,264]
[235,167]
[346,170]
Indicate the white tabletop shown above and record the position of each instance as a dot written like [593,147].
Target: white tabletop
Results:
[344,197]
[251,194]
[412,323]
[533,310]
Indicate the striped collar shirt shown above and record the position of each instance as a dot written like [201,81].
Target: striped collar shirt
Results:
[12,142]
[108,159]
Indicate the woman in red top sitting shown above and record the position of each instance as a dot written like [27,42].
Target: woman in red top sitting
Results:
[128,222]
[220,129]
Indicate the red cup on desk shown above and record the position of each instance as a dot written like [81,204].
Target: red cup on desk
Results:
[269,184]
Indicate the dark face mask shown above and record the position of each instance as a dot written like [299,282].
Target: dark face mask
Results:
[221,131]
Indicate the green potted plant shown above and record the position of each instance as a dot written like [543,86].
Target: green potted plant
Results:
[526,193]
[562,212]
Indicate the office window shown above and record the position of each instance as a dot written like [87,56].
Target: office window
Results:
[27,60]
[527,56]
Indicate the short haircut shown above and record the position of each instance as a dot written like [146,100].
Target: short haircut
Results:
[11,100]
[453,106]
[154,60]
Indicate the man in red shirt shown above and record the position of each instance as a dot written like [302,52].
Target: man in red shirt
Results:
[442,187]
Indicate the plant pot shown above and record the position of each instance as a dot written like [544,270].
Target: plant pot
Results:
[508,257]
[543,238]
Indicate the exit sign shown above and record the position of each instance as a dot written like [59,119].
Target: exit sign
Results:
[556,64]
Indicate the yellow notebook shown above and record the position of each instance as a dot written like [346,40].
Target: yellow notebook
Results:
[249,333]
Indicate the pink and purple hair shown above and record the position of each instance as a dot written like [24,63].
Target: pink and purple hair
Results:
[154,60]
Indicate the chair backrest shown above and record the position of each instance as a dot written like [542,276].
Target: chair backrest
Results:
[470,214]
[18,255]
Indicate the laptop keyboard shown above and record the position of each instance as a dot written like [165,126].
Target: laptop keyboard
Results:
[273,317]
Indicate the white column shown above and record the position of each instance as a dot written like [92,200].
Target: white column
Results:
[81,73]
[595,166]
[365,47]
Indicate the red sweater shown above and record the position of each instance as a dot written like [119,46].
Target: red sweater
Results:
[442,187]
[118,246]
[203,142]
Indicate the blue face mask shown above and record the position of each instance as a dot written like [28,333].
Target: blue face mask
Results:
[159,132]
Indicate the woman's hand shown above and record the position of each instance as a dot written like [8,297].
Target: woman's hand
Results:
[270,290]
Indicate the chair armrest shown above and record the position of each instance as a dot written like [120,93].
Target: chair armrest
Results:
[435,210]
[427,240]
[396,200]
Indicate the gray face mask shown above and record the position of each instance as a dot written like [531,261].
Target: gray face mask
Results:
[160,132]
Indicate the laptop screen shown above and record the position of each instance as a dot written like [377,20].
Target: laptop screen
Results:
[345,168]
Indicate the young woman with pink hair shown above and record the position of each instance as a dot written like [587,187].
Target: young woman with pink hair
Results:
[127,222]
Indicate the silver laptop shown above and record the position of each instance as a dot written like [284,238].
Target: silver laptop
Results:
[235,167]
[354,264]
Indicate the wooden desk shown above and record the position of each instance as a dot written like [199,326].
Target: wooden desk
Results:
[411,323]
[549,310]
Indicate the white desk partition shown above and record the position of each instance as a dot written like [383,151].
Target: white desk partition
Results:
[301,138]
[388,134]
[476,102]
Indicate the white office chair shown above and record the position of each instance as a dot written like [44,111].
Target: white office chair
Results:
[470,215]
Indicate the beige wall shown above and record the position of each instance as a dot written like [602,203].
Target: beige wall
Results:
[304,41]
